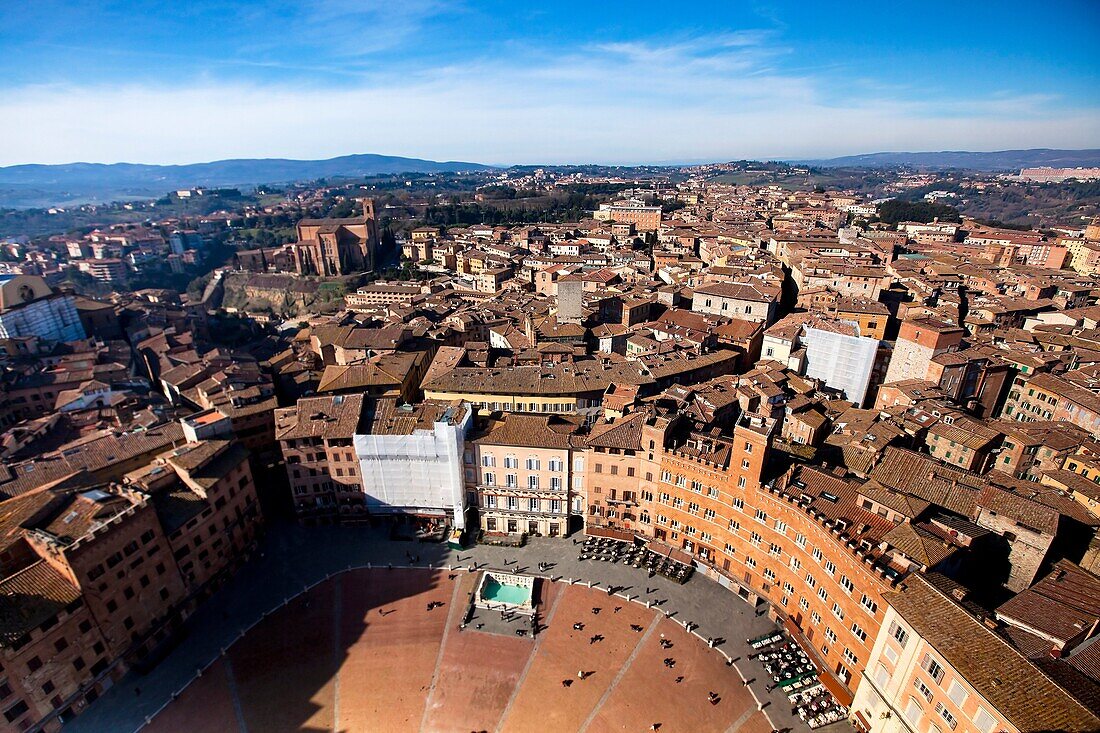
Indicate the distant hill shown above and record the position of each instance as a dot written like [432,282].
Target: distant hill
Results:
[26,186]
[1002,160]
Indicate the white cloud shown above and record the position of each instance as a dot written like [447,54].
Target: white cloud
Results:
[715,97]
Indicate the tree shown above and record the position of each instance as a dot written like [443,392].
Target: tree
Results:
[896,210]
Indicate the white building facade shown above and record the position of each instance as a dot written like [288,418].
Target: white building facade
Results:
[49,318]
[843,362]
[419,473]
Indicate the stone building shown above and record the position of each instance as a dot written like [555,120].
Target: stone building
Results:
[918,341]
[748,301]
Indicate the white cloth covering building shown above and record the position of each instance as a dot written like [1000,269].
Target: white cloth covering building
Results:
[410,459]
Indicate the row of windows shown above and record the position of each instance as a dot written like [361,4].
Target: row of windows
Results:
[511,480]
[513,503]
[527,406]
[936,672]
[614,470]
[532,463]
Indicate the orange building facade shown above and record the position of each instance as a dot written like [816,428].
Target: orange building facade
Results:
[802,544]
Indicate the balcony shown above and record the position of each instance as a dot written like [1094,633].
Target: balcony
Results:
[524,513]
[622,501]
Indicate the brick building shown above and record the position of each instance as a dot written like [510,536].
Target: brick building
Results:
[315,437]
[644,218]
[97,575]
[337,246]
[804,545]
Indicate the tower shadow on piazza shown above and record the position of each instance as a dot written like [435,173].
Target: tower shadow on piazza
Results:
[407,649]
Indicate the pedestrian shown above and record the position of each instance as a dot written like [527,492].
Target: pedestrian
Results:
[618,608]
[566,683]
[679,679]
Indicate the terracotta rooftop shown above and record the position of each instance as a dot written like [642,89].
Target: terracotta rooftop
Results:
[30,597]
[624,433]
[319,417]
[1061,606]
[388,417]
[989,663]
[531,431]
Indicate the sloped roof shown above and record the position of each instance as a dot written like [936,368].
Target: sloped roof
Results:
[918,544]
[624,433]
[30,597]
[531,431]
[991,665]
[1061,605]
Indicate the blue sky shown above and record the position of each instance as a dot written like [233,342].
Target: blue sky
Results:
[528,82]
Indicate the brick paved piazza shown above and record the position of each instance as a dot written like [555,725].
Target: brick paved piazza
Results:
[360,651]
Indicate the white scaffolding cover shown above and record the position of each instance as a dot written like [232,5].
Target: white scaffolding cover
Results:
[419,473]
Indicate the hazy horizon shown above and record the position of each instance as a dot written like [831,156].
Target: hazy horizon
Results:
[623,164]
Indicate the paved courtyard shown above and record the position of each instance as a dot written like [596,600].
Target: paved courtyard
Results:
[360,651]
